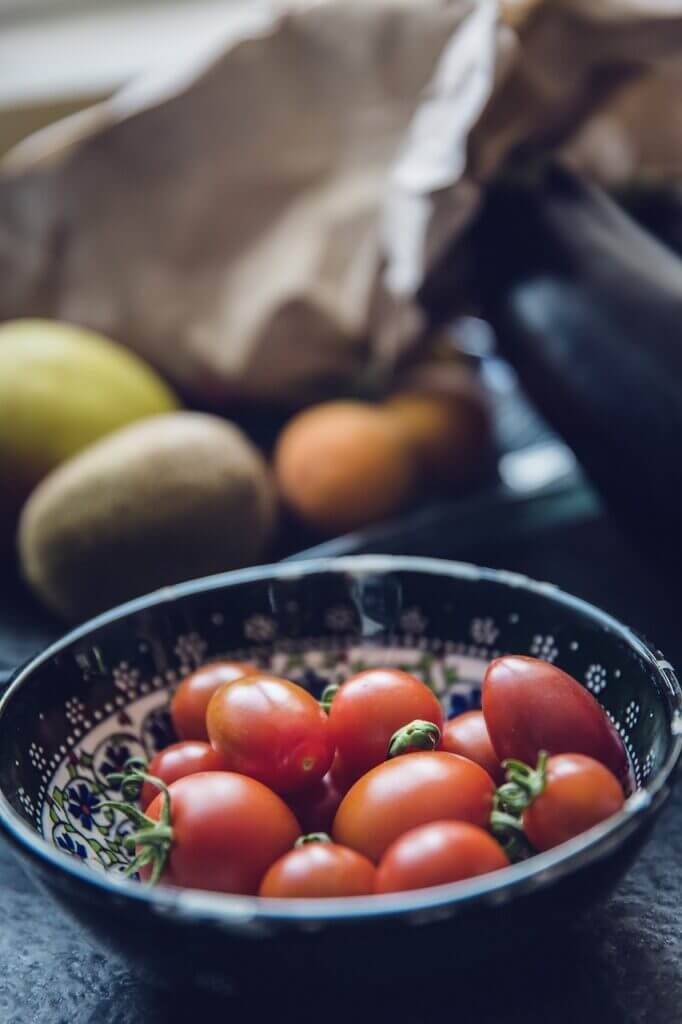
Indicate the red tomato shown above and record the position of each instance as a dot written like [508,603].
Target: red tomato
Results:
[343,779]
[319,869]
[370,707]
[272,730]
[316,806]
[408,791]
[178,760]
[579,793]
[530,706]
[190,701]
[226,832]
[467,735]
[438,853]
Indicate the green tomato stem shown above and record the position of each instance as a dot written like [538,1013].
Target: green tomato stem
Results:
[313,837]
[524,784]
[328,694]
[417,735]
[153,839]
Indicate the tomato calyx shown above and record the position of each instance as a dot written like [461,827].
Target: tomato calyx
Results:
[330,691]
[523,783]
[511,799]
[313,837]
[130,780]
[153,839]
[417,735]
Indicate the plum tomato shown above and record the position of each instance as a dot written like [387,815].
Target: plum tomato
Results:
[190,701]
[370,707]
[316,806]
[438,853]
[408,791]
[578,792]
[319,869]
[530,705]
[467,735]
[224,832]
[272,730]
[185,758]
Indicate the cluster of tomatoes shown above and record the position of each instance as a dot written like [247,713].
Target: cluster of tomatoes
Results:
[369,790]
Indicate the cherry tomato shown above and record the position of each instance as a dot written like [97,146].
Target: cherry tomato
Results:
[438,853]
[319,869]
[467,735]
[370,707]
[342,777]
[530,706]
[408,791]
[272,730]
[190,701]
[185,758]
[579,793]
[226,832]
[316,806]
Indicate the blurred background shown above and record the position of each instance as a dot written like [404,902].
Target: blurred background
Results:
[288,279]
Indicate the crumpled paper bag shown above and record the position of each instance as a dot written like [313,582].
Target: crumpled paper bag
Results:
[258,225]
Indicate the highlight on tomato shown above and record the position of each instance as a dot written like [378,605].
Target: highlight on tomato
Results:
[215,830]
[188,757]
[530,705]
[272,730]
[190,700]
[438,853]
[370,707]
[408,791]
[318,868]
[467,735]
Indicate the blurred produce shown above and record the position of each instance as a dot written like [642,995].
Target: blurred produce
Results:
[61,388]
[340,465]
[658,208]
[174,497]
[441,409]
[318,280]
[588,307]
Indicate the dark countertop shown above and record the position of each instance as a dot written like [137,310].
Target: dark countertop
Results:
[619,965]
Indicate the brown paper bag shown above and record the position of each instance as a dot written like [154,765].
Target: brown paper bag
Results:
[258,229]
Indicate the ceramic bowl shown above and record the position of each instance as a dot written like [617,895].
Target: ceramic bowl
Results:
[73,716]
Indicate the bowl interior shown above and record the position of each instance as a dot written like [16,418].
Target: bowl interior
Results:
[74,717]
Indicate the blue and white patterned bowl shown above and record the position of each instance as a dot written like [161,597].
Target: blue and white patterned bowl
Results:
[73,716]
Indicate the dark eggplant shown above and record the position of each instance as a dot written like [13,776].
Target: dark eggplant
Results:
[658,208]
[588,308]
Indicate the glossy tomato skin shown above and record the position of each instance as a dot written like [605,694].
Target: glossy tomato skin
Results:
[579,793]
[185,758]
[272,730]
[467,735]
[436,854]
[370,707]
[317,870]
[316,806]
[408,791]
[530,706]
[227,831]
[190,701]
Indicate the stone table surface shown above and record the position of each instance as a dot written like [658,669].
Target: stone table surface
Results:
[621,964]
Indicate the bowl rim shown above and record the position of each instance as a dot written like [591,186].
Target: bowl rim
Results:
[242,912]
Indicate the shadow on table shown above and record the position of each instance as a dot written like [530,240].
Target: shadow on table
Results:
[576,983]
